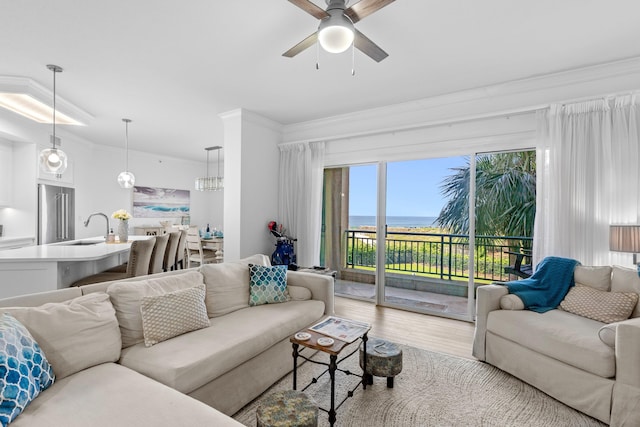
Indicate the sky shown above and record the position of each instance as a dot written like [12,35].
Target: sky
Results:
[413,187]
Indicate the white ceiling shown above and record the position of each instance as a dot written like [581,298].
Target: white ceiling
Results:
[173,66]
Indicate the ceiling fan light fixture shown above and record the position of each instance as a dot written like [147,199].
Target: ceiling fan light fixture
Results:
[336,32]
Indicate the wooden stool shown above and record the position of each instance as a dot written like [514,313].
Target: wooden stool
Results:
[384,359]
[287,408]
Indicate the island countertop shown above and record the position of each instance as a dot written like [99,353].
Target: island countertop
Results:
[68,251]
[43,268]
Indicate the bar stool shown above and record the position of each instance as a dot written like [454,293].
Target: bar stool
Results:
[170,253]
[157,255]
[138,265]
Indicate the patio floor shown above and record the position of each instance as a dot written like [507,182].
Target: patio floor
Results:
[431,301]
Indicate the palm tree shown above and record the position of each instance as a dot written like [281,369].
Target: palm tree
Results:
[505,196]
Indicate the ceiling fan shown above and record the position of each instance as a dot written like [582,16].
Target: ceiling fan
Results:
[336,31]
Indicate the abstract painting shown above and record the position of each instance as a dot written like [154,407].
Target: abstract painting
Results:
[151,202]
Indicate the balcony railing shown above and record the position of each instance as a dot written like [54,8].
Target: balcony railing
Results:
[443,256]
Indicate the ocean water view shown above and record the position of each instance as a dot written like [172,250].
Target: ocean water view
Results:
[356,221]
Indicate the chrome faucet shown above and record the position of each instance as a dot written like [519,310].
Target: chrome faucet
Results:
[86,223]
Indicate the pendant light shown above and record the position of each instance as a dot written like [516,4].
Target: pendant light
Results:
[126,179]
[53,160]
[211,183]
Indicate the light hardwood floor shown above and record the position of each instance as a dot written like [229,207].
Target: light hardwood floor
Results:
[414,329]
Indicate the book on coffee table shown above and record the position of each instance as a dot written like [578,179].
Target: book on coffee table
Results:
[343,329]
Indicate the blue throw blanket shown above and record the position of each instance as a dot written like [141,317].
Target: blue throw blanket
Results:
[548,286]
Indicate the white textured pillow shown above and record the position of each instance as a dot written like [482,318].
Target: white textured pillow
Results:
[606,307]
[626,280]
[299,293]
[75,334]
[595,277]
[174,313]
[127,297]
[511,302]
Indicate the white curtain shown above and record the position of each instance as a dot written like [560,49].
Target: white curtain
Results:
[300,204]
[587,178]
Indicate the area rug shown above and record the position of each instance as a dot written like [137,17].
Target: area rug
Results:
[433,389]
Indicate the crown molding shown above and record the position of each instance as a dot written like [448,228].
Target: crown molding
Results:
[252,118]
[15,84]
[510,97]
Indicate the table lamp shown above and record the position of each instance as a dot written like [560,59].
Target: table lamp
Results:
[625,238]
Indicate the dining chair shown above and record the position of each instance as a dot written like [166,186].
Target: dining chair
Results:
[195,253]
[157,255]
[138,265]
[170,253]
[182,246]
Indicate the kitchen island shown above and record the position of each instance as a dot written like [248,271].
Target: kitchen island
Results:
[58,265]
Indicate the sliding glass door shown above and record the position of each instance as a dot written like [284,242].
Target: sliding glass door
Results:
[401,234]
[427,265]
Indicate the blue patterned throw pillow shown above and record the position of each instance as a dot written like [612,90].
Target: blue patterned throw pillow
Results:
[24,370]
[268,285]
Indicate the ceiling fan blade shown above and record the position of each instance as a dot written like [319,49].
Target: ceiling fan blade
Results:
[304,44]
[364,8]
[369,48]
[310,8]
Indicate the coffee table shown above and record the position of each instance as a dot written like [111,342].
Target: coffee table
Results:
[333,351]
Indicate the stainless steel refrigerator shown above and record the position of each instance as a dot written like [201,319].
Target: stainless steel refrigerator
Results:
[56,213]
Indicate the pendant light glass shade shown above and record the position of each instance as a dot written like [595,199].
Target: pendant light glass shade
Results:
[126,179]
[211,183]
[53,160]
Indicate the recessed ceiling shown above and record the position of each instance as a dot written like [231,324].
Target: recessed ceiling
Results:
[172,67]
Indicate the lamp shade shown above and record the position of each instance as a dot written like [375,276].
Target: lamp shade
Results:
[335,33]
[624,238]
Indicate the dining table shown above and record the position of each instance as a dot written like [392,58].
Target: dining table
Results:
[215,244]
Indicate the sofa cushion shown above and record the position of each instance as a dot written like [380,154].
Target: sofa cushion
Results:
[598,277]
[127,296]
[299,293]
[268,284]
[228,284]
[605,307]
[24,369]
[626,280]
[191,360]
[174,313]
[561,335]
[74,334]
[112,395]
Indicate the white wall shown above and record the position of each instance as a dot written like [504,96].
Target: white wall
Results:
[251,182]
[94,170]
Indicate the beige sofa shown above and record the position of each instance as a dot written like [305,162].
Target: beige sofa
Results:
[564,354]
[106,376]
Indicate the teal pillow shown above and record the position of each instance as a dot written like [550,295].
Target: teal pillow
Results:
[24,370]
[268,284]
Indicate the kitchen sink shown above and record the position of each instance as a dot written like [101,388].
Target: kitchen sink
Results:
[82,243]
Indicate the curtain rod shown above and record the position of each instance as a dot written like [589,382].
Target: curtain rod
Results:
[467,119]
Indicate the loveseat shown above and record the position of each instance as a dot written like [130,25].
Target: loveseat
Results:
[590,365]
[115,368]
